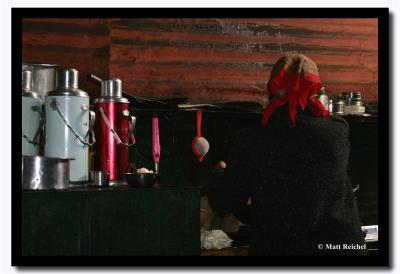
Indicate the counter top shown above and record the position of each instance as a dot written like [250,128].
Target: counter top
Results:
[114,221]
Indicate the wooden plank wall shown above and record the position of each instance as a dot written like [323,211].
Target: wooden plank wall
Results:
[82,44]
[207,60]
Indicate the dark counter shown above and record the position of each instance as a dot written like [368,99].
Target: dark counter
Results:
[116,221]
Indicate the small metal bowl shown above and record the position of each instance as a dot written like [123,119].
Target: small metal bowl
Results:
[99,179]
[141,179]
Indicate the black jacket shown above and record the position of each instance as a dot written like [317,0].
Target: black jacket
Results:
[302,199]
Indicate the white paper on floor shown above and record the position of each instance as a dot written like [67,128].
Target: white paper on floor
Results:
[371,233]
[215,239]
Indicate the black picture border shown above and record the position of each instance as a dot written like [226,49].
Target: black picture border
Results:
[384,167]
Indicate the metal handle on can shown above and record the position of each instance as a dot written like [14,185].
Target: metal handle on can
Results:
[132,124]
[117,138]
[37,134]
[54,105]
[92,120]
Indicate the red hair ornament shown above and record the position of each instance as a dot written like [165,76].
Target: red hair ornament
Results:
[296,91]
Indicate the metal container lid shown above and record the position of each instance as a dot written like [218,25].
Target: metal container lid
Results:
[111,88]
[111,91]
[67,84]
[26,65]
[27,85]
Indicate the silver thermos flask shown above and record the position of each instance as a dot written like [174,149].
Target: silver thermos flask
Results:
[68,124]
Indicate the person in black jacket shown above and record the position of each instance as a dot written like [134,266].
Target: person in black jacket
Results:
[294,168]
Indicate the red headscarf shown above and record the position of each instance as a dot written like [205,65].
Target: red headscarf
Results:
[294,79]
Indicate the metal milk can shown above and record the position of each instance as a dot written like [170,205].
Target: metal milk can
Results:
[31,117]
[68,124]
[43,77]
[114,130]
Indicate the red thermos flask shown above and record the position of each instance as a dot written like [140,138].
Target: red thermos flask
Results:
[114,131]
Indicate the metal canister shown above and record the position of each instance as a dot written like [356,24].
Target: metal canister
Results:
[347,98]
[338,106]
[99,179]
[68,124]
[43,173]
[31,117]
[114,130]
[43,77]
[357,99]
